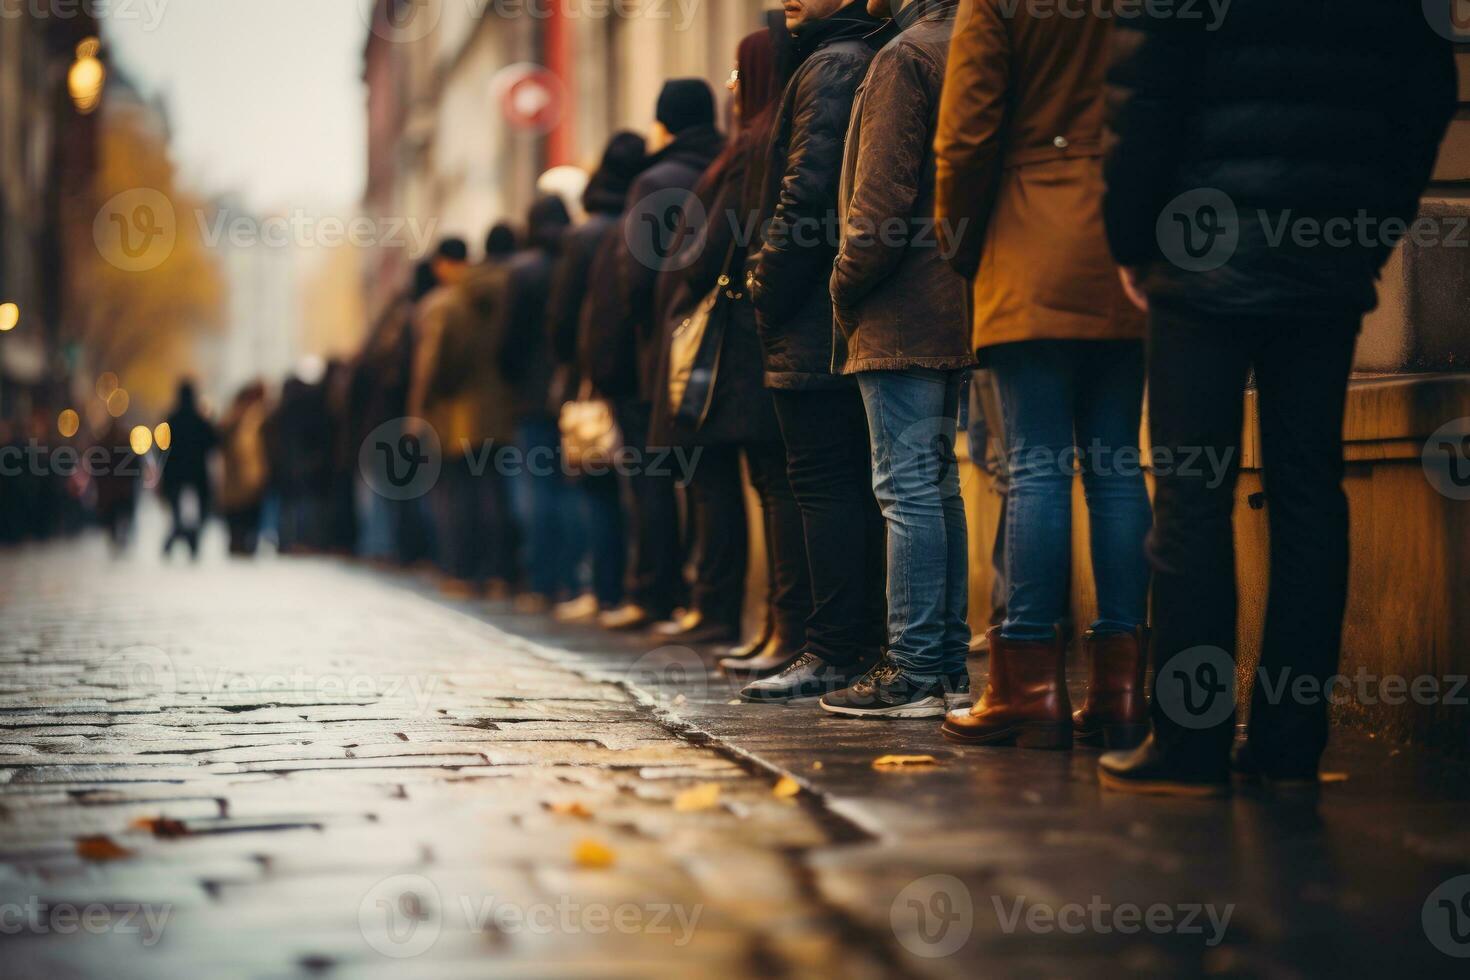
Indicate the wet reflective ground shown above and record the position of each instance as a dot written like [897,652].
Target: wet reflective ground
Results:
[305,768]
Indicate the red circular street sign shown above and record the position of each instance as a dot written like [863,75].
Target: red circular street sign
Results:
[531,97]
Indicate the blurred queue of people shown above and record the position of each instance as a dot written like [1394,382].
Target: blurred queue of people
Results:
[909,191]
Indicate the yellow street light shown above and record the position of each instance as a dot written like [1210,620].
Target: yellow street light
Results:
[117,403]
[9,316]
[163,436]
[140,439]
[68,422]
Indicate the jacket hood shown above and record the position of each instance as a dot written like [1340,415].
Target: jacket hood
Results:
[851,22]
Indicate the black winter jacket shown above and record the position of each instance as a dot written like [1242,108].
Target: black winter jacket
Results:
[655,206]
[1288,117]
[571,283]
[789,283]
[526,358]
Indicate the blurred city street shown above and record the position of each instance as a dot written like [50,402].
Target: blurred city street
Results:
[294,767]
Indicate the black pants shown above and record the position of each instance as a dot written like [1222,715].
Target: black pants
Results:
[717,509]
[655,564]
[789,592]
[1197,373]
[830,467]
[476,523]
[244,526]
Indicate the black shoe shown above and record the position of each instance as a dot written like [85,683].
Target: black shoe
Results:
[807,678]
[887,692]
[1250,767]
[1147,769]
[765,665]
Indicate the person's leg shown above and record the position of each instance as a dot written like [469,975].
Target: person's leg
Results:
[654,562]
[1302,374]
[718,499]
[988,448]
[956,644]
[1196,378]
[1037,383]
[791,590]
[1109,412]
[828,463]
[911,468]
[606,534]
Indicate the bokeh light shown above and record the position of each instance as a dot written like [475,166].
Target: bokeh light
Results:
[117,403]
[107,383]
[140,439]
[9,316]
[87,76]
[163,436]
[68,423]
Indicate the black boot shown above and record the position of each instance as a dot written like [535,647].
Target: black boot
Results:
[1149,769]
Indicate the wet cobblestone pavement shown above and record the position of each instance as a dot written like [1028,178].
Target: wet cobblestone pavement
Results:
[302,768]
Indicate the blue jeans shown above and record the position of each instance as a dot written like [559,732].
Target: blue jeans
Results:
[912,420]
[547,510]
[1069,403]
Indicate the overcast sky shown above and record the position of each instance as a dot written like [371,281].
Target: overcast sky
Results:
[265,96]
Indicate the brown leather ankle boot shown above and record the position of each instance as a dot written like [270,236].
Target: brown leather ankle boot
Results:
[1025,701]
[1115,713]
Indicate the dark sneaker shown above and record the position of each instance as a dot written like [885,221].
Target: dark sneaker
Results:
[1147,769]
[887,692]
[957,694]
[806,679]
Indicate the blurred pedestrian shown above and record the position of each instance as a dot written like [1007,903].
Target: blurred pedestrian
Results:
[1020,185]
[822,419]
[1230,117]
[684,143]
[185,477]
[116,484]
[603,546]
[902,331]
[244,473]
[436,402]
[546,509]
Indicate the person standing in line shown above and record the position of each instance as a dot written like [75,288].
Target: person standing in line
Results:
[902,331]
[823,422]
[572,288]
[1219,138]
[546,509]
[436,403]
[244,474]
[1020,203]
[683,144]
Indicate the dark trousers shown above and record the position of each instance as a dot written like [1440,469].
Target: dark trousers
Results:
[476,531]
[717,509]
[831,472]
[244,525]
[1197,374]
[606,544]
[179,530]
[655,578]
[788,573]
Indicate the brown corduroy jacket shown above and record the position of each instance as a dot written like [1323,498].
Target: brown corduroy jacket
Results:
[1019,175]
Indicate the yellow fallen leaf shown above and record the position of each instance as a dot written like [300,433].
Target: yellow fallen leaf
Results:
[101,848]
[591,853]
[573,809]
[1333,777]
[786,788]
[894,761]
[817,764]
[701,797]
